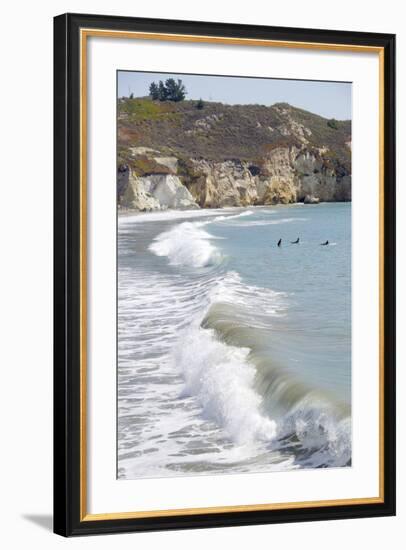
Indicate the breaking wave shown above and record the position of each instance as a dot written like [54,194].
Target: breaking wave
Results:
[187,244]
[225,359]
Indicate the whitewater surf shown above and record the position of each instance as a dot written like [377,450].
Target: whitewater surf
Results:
[234,355]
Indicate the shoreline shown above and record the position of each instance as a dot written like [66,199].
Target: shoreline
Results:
[122,213]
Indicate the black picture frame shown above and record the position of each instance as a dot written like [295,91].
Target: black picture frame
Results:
[68,520]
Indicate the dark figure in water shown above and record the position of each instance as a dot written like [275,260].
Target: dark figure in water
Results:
[295,242]
[324,244]
[279,242]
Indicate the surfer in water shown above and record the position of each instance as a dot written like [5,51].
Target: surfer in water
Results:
[324,244]
[279,242]
[295,242]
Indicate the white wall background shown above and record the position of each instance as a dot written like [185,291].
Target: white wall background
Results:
[26,272]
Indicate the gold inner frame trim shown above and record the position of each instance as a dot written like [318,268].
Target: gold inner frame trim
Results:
[173,37]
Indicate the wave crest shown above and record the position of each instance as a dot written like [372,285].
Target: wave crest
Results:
[323,434]
[187,244]
[226,364]
[223,380]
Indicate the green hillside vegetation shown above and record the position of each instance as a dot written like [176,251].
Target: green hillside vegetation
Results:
[216,131]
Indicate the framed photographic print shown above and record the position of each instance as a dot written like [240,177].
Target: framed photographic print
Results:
[224,274]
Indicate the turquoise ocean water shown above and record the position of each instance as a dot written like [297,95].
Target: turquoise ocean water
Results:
[234,354]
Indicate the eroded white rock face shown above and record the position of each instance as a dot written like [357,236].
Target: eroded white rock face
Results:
[156,192]
[169,191]
[283,175]
[138,197]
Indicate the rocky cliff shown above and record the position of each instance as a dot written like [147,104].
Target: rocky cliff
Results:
[178,156]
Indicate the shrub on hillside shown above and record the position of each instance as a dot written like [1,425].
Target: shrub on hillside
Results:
[332,123]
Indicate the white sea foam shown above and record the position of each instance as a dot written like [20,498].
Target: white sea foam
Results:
[232,290]
[187,244]
[163,215]
[280,221]
[222,379]
[320,430]
[232,216]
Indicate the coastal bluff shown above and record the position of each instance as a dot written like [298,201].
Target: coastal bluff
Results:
[182,155]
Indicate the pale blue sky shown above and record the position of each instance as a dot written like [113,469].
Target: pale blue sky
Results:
[328,99]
